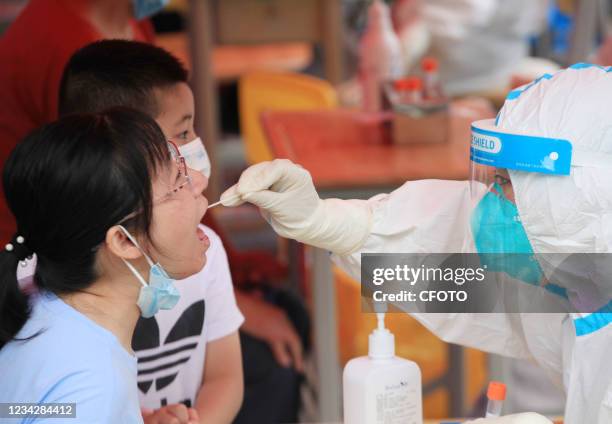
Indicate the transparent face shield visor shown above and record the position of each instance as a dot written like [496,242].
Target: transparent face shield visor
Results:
[496,228]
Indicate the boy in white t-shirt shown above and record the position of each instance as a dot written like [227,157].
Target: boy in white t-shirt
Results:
[189,358]
[174,342]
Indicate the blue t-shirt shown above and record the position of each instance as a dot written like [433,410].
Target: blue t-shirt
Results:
[72,360]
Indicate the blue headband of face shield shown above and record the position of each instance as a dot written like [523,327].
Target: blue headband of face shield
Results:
[495,147]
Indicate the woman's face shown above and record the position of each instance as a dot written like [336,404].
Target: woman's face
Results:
[177,242]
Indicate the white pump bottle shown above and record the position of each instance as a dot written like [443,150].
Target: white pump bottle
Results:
[381,388]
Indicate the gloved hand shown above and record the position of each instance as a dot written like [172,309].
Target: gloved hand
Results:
[524,418]
[288,200]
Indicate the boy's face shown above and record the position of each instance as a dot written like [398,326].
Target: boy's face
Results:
[176,111]
[175,118]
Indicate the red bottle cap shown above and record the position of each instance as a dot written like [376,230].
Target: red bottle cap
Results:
[408,84]
[496,391]
[429,64]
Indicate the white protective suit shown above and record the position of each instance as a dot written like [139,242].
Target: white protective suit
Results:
[481,43]
[572,214]
[559,213]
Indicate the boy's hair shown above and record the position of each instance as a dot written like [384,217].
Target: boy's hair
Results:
[112,73]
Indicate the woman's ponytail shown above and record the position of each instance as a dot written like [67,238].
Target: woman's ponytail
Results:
[14,306]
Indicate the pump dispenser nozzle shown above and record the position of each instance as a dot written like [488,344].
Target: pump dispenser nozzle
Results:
[381,343]
[380,316]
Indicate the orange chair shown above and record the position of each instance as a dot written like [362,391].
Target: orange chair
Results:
[260,91]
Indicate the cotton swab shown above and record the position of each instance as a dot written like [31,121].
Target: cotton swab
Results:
[230,198]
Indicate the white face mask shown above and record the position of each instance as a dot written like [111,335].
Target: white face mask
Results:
[196,157]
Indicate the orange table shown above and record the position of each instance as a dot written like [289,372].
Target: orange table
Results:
[351,149]
[349,152]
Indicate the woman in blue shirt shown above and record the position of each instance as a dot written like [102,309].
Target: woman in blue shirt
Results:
[111,212]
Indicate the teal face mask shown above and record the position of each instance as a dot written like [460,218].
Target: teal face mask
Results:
[159,291]
[497,229]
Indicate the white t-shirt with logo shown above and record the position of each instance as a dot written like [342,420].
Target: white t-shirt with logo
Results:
[171,346]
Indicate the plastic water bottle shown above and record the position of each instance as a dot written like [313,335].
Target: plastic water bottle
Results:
[380,58]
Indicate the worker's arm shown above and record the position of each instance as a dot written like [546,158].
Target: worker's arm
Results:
[419,217]
[220,396]
[289,201]
[425,216]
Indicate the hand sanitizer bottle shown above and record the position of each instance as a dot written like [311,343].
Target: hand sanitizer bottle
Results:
[381,388]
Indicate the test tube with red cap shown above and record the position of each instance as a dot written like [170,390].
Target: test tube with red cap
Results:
[496,393]
[409,90]
[431,78]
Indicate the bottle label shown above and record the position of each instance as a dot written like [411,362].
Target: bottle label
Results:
[397,403]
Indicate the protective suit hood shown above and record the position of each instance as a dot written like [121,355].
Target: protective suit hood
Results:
[565,214]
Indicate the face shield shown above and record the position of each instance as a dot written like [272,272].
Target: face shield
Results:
[498,233]
[496,228]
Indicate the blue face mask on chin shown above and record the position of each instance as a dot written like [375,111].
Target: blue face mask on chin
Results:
[497,229]
[147,8]
[159,292]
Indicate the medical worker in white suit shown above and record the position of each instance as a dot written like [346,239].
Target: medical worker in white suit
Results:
[548,189]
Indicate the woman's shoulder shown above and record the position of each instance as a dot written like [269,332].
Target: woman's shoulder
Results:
[97,393]
[57,335]
[58,358]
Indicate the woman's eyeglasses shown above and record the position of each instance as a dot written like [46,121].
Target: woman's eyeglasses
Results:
[182,179]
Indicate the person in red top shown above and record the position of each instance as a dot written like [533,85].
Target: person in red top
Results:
[33,53]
